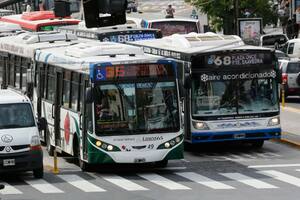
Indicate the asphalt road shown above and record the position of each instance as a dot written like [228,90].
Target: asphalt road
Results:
[210,172]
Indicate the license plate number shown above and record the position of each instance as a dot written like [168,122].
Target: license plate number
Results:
[9,162]
[240,136]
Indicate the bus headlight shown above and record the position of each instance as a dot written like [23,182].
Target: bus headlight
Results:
[274,121]
[200,125]
[171,143]
[98,143]
[110,147]
[105,146]
[167,145]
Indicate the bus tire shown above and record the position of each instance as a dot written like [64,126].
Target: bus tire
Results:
[82,164]
[161,164]
[38,173]
[257,144]
[50,148]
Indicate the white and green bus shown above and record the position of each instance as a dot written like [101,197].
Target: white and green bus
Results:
[110,103]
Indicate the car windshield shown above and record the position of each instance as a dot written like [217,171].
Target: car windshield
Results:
[215,98]
[136,108]
[16,116]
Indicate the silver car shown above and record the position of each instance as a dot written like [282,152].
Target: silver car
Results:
[290,76]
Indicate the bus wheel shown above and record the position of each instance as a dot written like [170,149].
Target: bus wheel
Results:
[50,148]
[162,163]
[38,173]
[257,144]
[82,164]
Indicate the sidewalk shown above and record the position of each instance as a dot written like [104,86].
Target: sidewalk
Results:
[290,126]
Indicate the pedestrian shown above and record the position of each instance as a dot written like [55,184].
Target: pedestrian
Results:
[295,27]
[170,11]
[290,29]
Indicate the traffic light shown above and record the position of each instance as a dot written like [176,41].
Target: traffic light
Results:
[99,13]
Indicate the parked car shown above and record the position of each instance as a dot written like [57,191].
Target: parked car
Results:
[292,48]
[290,70]
[274,41]
[20,148]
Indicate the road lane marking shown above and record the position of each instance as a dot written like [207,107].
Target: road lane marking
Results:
[81,184]
[164,182]
[249,181]
[273,166]
[173,168]
[43,186]
[282,177]
[204,180]
[123,183]
[9,189]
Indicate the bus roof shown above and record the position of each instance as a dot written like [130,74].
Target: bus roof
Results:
[183,46]
[33,20]
[25,44]
[79,57]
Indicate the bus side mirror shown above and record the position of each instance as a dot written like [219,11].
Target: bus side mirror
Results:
[89,95]
[187,82]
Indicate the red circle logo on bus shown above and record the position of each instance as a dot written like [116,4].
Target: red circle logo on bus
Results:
[67,128]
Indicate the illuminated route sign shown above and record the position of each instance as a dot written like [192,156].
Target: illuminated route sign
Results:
[231,59]
[103,73]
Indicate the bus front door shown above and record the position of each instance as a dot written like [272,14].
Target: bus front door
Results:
[57,106]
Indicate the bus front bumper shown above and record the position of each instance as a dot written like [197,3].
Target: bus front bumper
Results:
[220,136]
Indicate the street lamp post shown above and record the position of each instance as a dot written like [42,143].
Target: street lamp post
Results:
[236,9]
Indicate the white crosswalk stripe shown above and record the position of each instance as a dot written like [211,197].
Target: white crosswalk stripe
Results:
[204,180]
[9,189]
[282,177]
[123,183]
[43,186]
[164,182]
[249,181]
[81,184]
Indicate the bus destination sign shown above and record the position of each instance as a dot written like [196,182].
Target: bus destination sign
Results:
[238,59]
[104,73]
[121,38]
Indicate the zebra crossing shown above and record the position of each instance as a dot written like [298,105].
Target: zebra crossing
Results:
[239,156]
[147,182]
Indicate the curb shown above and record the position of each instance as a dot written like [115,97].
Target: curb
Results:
[288,142]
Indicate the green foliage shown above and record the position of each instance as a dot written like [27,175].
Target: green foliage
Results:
[221,12]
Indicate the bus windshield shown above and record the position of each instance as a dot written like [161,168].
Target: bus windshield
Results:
[172,27]
[136,108]
[17,115]
[215,98]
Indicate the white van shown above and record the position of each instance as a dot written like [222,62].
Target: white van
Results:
[292,48]
[20,148]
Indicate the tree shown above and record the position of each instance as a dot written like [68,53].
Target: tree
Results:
[223,13]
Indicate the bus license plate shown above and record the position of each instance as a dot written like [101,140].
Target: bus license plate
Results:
[139,160]
[240,136]
[9,162]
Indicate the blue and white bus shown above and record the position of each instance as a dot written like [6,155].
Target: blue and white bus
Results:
[231,89]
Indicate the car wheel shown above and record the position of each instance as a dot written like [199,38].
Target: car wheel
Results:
[38,173]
